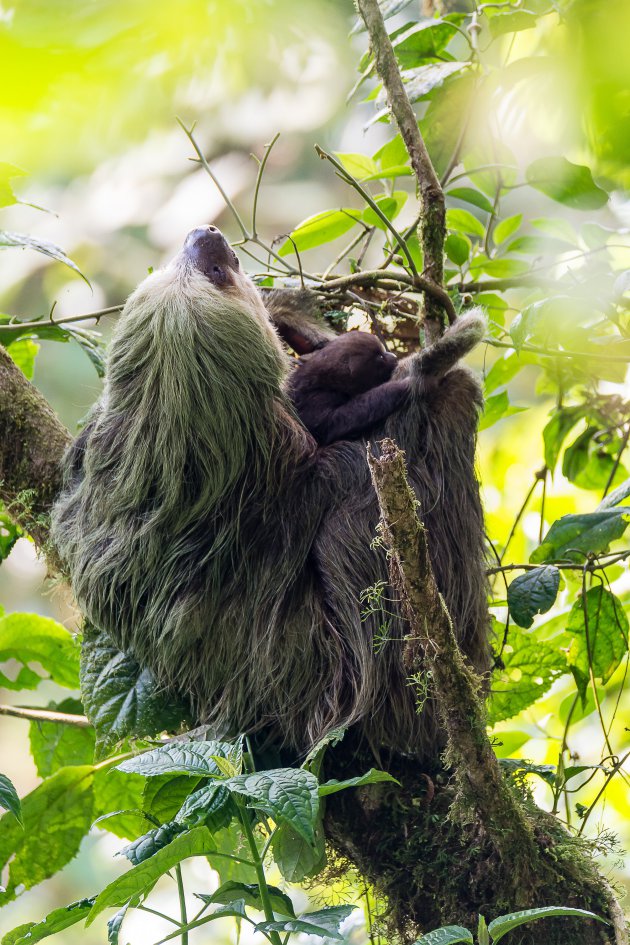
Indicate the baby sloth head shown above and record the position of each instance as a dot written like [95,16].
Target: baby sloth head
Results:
[351,364]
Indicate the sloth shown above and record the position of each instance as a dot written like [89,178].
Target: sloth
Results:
[206,531]
[343,389]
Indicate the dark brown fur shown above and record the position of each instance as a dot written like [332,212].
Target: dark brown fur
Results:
[343,389]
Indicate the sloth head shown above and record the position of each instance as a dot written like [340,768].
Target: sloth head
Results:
[352,364]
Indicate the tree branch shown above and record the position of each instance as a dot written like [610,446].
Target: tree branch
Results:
[431,649]
[32,442]
[433,219]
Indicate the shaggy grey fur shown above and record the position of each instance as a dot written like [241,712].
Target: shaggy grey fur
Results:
[207,533]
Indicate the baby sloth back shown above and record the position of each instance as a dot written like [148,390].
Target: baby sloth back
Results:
[344,388]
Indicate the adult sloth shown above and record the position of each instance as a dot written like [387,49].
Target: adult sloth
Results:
[209,535]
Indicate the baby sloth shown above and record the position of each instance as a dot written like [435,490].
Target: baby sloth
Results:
[343,389]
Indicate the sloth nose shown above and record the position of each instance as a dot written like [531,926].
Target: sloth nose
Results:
[204,234]
[209,252]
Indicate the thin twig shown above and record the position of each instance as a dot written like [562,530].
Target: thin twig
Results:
[18,326]
[45,715]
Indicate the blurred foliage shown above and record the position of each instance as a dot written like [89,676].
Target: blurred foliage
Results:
[526,116]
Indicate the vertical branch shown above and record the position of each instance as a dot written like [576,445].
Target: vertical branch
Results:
[431,647]
[433,217]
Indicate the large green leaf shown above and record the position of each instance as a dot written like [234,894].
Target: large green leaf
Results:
[599,628]
[570,184]
[121,698]
[513,22]
[463,221]
[55,921]
[425,78]
[57,815]
[288,795]
[190,757]
[296,858]
[505,923]
[533,593]
[321,228]
[142,878]
[470,195]
[210,805]
[29,638]
[163,796]
[573,536]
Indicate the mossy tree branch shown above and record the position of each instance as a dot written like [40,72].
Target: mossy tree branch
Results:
[431,648]
[32,442]
[433,215]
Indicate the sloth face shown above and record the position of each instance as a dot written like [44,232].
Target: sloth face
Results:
[352,363]
[207,250]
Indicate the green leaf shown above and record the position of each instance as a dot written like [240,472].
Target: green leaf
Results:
[599,628]
[504,369]
[151,842]
[29,638]
[360,166]
[210,805]
[505,923]
[249,893]
[496,408]
[392,154]
[120,698]
[531,664]
[567,183]
[589,464]
[289,795]
[24,241]
[464,222]
[324,923]
[498,268]
[295,858]
[506,227]
[470,195]
[547,773]
[140,879]
[373,776]
[23,353]
[457,248]
[9,799]
[502,23]
[554,434]
[506,743]
[57,815]
[389,205]
[442,122]
[55,744]
[230,843]
[7,173]
[190,757]
[319,229]
[118,803]
[533,593]
[557,228]
[573,536]
[446,935]
[55,921]
[422,41]
[428,77]
[163,796]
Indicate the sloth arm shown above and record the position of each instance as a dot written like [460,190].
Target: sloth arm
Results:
[365,410]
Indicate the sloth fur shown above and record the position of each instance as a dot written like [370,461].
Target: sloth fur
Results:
[205,530]
[343,389]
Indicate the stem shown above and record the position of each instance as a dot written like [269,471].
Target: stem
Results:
[261,171]
[202,160]
[161,915]
[45,715]
[433,222]
[548,352]
[182,902]
[274,937]
[47,322]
